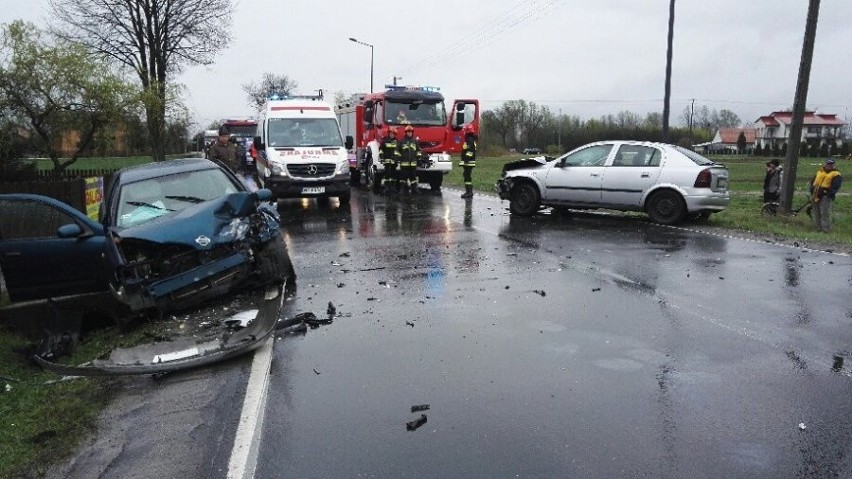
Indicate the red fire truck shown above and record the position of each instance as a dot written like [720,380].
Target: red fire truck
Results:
[366,118]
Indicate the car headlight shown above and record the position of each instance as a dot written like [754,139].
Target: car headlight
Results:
[342,168]
[278,170]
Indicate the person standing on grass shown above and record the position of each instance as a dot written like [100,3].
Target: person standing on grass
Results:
[772,181]
[824,186]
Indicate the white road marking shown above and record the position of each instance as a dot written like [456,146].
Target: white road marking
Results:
[247,439]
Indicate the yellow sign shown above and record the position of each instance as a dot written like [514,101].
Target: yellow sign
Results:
[94,196]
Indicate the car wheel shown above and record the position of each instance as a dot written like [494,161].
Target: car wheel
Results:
[666,207]
[525,200]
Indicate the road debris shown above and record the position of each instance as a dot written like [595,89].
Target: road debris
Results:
[419,407]
[8,387]
[331,310]
[415,424]
[241,319]
[802,426]
[316,372]
[540,292]
[595,290]
[409,323]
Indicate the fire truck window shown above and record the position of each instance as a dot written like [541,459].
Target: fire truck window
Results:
[380,113]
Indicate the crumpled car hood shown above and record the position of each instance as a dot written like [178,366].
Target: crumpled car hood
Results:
[526,163]
[204,219]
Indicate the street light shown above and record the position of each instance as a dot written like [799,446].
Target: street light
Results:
[371,60]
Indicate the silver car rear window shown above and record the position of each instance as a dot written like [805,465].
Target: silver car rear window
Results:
[695,157]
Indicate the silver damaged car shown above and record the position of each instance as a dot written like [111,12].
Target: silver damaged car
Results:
[668,182]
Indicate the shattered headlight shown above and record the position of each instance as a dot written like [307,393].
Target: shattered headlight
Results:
[279,170]
[235,230]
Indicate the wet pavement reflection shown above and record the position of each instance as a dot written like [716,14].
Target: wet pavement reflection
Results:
[586,345]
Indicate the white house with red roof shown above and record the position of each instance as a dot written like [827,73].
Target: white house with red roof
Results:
[817,129]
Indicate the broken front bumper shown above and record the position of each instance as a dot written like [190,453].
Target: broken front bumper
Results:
[190,287]
[503,187]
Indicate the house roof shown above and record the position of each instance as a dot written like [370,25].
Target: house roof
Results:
[730,135]
[810,118]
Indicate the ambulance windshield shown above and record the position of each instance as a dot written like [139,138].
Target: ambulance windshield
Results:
[303,132]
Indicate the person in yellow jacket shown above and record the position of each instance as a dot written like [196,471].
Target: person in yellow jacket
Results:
[824,188]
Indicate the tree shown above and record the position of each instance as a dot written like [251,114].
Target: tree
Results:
[741,143]
[56,88]
[154,38]
[726,119]
[271,83]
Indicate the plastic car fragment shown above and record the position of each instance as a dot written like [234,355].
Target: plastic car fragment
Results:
[184,353]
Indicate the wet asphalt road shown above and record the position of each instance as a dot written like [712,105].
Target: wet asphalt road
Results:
[592,346]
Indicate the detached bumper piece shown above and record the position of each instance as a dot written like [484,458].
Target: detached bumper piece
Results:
[183,354]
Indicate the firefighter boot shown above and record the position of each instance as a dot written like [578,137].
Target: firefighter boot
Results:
[468,192]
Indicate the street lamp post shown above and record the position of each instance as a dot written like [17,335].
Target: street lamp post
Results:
[371,59]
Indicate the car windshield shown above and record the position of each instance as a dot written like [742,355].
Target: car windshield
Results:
[302,132]
[416,113]
[142,201]
[695,157]
[242,131]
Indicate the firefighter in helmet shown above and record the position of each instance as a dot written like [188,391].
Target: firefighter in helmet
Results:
[389,156]
[468,160]
[409,155]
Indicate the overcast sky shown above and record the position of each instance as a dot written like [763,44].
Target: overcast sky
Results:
[580,57]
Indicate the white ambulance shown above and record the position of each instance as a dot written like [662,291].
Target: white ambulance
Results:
[300,149]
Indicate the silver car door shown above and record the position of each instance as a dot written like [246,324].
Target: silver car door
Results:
[576,178]
[634,169]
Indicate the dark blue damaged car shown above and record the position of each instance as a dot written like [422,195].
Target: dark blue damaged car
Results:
[171,235]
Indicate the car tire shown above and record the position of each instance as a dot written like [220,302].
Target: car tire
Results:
[275,264]
[666,207]
[525,200]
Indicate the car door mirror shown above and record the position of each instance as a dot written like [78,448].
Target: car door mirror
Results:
[263,194]
[350,142]
[72,230]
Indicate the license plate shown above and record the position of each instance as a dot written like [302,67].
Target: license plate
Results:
[313,190]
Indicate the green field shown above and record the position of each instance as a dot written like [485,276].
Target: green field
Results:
[113,163]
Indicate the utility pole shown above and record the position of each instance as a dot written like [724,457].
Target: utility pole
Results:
[559,132]
[792,161]
[668,96]
[691,121]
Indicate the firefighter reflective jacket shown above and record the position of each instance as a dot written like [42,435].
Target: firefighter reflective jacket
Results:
[409,152]
[468,156]
[389,151]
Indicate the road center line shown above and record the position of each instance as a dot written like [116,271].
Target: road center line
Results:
[247,439]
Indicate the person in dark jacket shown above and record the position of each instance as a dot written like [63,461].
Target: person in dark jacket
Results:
[824,187]
[223,151]
[409,155]
[468,160]
[772,181]
[389,156]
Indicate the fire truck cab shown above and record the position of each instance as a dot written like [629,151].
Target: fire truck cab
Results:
[368,117]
